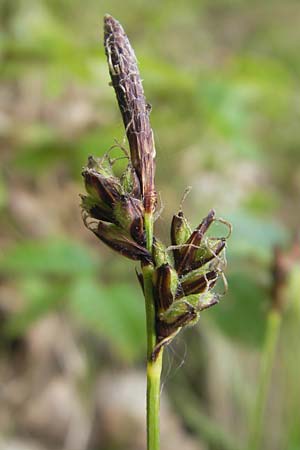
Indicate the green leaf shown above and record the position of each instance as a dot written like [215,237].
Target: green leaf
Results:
[56,256]
[241,313]
[261,202]
[115,312]
[42,157]
[40,297]
[3,193]
[252,236]
[293,289]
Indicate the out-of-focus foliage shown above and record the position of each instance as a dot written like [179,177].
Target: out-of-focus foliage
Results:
[223,81]
[56,274]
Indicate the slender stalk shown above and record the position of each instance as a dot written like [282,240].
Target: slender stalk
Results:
[148,219]
[153,366]
[153,402]
[127,83]
[267,362]
[150,310]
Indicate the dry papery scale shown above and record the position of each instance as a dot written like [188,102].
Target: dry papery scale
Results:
[178,280]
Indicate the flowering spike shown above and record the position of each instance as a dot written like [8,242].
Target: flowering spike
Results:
[120,212]
[128,87]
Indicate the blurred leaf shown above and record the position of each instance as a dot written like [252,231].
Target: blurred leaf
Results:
[46,36]
[254,237]
[40,298]
[116,313]
[226,105]
[3,193]
[293,290]
[165,79]
[263,75]
[241,314]
[197,419]
[96,142]
[262,202]
[51,257]
[43,156]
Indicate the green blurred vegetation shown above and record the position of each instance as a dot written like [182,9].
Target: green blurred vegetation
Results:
[223,81]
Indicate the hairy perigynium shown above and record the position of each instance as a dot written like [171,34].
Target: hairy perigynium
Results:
[184,274]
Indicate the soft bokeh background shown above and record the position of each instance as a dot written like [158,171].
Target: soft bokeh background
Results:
[223,80]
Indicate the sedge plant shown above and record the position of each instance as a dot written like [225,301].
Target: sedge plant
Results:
[177,281]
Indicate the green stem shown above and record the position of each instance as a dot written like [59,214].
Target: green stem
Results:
[271,338]
[153,366]
[153,402]
[149,230]
[150,310]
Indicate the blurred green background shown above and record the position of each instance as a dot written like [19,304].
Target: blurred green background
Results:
[223,80]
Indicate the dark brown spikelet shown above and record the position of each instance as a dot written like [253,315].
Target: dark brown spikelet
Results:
[96,209]
[129,213]
[180,232]
[190,249]
[127,84]
[131,183]
[119,241]
[221,244]
[165,330]
[163,287]
[197,284]
[105,188]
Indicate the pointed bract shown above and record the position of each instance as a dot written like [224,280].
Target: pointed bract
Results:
[187,256]
[97,209]
[106,189]
[119,241]
[180,233]
[129,214]
[197,284]
[130,182]
[165,281]
[159,253]
[207,252]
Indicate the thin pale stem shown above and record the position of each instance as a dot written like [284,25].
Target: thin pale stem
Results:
[154,366]
[271,338]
